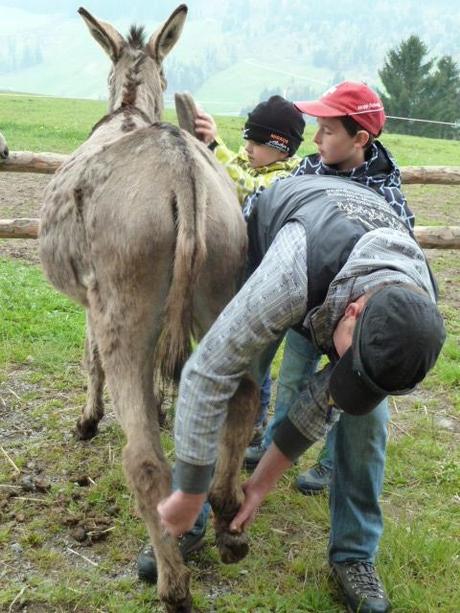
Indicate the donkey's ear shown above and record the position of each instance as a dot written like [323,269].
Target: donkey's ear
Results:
[106,35]
[163,40]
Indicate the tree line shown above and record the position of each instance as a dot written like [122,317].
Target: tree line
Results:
[421,88]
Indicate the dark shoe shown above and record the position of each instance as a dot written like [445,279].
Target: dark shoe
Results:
[257,436]
[147,564]
[361,586]
[315,480]
[252,456]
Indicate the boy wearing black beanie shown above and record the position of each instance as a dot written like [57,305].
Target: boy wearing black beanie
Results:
[273,133]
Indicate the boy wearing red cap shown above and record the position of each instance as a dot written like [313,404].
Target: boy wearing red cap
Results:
[350,118]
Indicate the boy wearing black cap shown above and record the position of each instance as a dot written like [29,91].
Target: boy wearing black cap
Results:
[333,261]
[273,133]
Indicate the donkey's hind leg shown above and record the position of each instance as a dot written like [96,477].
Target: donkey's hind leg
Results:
[126,335]
[226,495]
[93,412]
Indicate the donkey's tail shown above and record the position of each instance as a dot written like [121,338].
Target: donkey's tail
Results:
[174,344]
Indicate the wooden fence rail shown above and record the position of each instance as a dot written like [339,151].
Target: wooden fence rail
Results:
[434,237]
[430,237]
[28,161]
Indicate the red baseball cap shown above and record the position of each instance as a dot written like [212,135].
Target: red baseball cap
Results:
[351,99]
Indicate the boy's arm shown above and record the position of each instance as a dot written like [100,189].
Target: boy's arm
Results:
[205,127]
[247,179]
[236,164]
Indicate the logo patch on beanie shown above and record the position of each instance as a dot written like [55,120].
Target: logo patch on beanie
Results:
[281,139]
[278,142]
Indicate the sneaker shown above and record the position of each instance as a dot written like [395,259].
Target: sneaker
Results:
[315,480]
[253,455]
[147,564]
[363,591]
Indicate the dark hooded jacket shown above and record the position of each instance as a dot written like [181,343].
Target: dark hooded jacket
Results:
[379,171]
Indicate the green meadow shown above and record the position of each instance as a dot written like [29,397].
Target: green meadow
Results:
[69,541]
[39,123]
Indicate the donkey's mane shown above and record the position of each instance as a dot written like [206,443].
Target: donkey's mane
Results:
[136,37]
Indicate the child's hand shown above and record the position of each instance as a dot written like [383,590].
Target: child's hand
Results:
[205,127]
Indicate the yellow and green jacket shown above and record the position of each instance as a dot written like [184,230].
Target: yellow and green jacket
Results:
[247,179]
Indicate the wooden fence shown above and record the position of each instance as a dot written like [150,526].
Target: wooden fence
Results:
[436,237]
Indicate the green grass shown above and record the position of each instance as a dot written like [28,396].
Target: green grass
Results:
[286,570]
[36,123]
[47,325]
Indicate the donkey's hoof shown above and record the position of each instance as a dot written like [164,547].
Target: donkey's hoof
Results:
[180,606]
[86,430]
[232,547]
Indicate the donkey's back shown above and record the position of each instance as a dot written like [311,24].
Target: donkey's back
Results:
[151,208]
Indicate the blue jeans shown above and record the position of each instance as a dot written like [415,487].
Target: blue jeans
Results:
[265,393]
[356,451]
[300,361]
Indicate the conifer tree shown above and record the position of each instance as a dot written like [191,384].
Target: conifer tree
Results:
[421,88]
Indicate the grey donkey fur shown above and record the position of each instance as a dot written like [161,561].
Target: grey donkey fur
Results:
[4,151]
[142,227]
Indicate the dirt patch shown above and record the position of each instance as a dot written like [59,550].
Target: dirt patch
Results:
[21,195]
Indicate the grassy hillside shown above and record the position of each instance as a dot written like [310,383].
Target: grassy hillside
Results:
[252,78]
[39,123]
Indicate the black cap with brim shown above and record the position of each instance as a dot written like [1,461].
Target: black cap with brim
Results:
[349,389]
[396,341]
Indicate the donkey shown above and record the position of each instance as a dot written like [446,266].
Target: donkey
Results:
[142,227]
[4,151]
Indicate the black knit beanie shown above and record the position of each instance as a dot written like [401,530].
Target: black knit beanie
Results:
[275,123]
